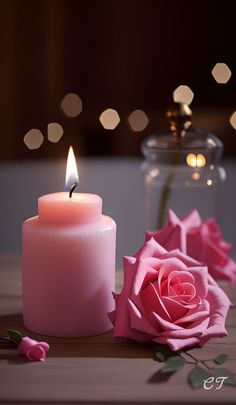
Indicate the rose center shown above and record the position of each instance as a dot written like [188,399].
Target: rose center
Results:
[179,289]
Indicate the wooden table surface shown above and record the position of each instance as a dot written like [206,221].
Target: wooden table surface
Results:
[100,369]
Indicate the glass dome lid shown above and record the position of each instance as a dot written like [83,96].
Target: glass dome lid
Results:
[181,139]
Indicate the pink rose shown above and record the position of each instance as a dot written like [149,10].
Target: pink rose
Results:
[200,240]
[32,349]
[169,298]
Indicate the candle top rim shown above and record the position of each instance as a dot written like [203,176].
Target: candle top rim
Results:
[88,198]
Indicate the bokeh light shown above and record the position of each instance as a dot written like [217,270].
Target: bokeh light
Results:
[221,73]
[196,160]
[109,118]
[191,160]
[71,105]
[201,160]
[33,139]
[232,120]
[196,176]
[138,120]
[183,94]
[55,132]
[209,182]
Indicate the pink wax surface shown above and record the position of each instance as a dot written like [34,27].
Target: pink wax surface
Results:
[59,208]
[68,266]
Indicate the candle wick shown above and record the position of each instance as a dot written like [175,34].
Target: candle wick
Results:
[72,189]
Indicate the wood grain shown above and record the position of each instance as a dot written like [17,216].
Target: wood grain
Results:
[99,369]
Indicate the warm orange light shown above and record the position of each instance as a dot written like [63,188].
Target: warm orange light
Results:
[201,160]
[191,160]
[72,176]
[196,176]
[196,160]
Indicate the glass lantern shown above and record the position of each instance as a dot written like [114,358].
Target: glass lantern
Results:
[181,170]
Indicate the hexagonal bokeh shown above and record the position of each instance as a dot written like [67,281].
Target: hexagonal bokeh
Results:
[221,73]
[232,120]
[33,139]
[109,118]
[55,132]
[71,105]
[138,120]
[183,94]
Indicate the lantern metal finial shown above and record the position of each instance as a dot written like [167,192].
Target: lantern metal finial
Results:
[179,116]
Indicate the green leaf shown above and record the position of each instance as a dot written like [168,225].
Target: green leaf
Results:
[197,376]
[223,372]
[14,336]
[173,364]
[221,358]
[160,356]
[163,352]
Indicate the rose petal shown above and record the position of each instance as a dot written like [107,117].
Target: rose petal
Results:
[177,239]
[196,329]
[153,262]
[177,344]
[185,276]
[44,345]
[169,265]
[214,254]
[36,352]
[122,327]
[139,322]
[219,306]
[195,244]
[173,219]
[175,309]
[160,236]
[192,220]
[193,315]
[165,324]
[187,260]
[25,344]
[150,249]
[213,228]
[228,272]
[200,275]
[152,302]
[144,273]
[112,316]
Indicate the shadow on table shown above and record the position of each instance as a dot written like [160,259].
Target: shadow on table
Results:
[94,346]
[159,377]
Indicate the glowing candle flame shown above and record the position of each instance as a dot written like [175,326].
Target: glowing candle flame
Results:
[72,176]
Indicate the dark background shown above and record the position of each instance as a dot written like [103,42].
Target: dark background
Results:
[120,54]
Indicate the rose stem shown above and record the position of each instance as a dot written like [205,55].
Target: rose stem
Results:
[200,361]
[166,191]
[6,340]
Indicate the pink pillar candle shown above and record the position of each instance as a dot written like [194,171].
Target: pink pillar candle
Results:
[68,266]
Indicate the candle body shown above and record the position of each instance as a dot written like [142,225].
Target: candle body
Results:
[68,269]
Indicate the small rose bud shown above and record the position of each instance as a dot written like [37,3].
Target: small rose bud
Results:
[32,349]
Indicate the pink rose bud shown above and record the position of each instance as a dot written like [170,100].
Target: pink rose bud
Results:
[32,349]
[168,298]
[199,239]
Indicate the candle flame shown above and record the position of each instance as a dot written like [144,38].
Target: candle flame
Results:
[72,176]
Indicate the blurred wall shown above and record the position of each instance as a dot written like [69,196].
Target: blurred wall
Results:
[126,54]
